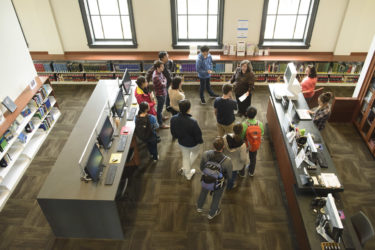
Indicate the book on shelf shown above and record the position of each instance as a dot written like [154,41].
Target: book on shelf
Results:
[26,111]
[22,138]
[3,143]
[29,127]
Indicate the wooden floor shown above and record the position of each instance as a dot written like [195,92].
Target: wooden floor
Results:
[159,205]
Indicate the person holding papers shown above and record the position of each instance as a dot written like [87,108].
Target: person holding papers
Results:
[243,81]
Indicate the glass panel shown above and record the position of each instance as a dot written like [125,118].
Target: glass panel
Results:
[304,6]
[270,24]
[285,27]
[93,6]
[124,10]
[288,6]
[300,27]
[359,118]
[197,27]
[108,7]
[126,27]
[182,27]
[197,7]
[112,27]
[372,140]
[213,7]
[371,114]
[272,6]
[97,26]
[212,27]
[366,127]
[181,7]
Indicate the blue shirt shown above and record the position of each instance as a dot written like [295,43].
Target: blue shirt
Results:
[202,65]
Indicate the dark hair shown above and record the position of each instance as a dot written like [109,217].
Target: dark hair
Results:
[218,143]
[227,88]
[312,73]
[157,64]
[162,54]
[249,67]
[325,97]
[237,129]
[251,112]
[205,48]
[176,82]
[184,106]
[140,81]
[143,106]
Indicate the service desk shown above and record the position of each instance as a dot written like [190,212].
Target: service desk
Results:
[78,209]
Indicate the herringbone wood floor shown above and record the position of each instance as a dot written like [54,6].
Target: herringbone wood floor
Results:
[159,206]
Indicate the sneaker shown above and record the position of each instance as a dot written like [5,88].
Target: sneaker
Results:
[199,210]
[203,102]
[234,186]
[188,176]
[251,174]
[157,158]
[216,214]
[180,171]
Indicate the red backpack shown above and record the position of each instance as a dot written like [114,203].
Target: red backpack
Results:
[253,136]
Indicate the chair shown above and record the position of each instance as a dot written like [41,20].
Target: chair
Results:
[363,227]
[313,101]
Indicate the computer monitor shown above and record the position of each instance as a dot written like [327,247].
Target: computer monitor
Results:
[126,82]
[94,164]
[313,150]
[105,135]
[335,227]
[291,81]
[118,107]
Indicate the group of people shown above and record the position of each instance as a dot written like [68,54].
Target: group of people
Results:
[235,148]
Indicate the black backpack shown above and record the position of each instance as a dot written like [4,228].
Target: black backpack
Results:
[143,128]
[212,178]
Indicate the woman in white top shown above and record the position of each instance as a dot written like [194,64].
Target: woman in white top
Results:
[175,95]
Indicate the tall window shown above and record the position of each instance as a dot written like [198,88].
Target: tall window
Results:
[108,23]
[288,23]
[197,22]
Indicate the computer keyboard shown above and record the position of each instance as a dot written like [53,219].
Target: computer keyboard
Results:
[321,160]
[131,114]
[110,175]
[122,143]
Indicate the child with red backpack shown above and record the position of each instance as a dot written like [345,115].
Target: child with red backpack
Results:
[252,134]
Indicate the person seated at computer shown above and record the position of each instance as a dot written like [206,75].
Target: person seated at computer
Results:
[145,129]
[143,94]
[175,95]
[308,83]
[321,114]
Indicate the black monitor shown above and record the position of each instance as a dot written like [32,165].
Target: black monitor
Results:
[105,135]
[126,82]
[118,107]
[94,164]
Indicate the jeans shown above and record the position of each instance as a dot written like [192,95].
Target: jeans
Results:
[216,197]
[205,84]
[167,101]
[189,155]
[231,181]
[242,106]
[152,147]
[253,161]
[159,109]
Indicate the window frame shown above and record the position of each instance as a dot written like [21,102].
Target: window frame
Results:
[108,43]
[211,43]
[303,43]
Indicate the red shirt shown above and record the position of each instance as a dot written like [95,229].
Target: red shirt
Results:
[308,84]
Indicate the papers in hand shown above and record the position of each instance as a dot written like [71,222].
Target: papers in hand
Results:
[243,97]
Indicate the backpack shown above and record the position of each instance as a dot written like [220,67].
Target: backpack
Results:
[253,136]
[143,128]
[212,178]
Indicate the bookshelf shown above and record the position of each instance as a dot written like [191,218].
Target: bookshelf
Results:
[23,132]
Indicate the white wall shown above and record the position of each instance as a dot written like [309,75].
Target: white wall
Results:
[335,23]
[16,66]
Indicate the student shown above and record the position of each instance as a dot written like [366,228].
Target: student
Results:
[321,114]
[224,110]
[145,129]
[167,72]
[143,94]
[175,94]
[308,83]
[257,127]
[235,148]
[160,88]
[217,156]
[243,79]
[189,135]
[204,68]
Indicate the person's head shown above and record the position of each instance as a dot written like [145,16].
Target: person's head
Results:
[324,98]
[245,66]
[159,65]
[184,106]
[143,108]
[141,82]
[204,51]
[218,143]
[227,89]
[176,82]
[237,129]
[310,71]
[251,112]
[163,56]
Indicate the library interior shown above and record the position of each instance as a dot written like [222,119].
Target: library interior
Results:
[187,124]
